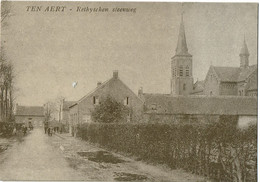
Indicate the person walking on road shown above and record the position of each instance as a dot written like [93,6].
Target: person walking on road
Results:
[24,128]
[46,126]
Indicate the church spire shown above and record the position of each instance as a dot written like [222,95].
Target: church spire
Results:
[244,49]
[182,48]
[244,54]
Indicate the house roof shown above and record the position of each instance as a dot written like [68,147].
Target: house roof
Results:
[102,86]
[29,111]
[67,104]
[246,72]
[198,87]
[93,91]
[220,105]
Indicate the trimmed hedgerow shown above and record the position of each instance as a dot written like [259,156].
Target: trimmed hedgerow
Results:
[218,150]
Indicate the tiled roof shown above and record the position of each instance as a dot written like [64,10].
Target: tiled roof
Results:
[246,72]
[67,104]
[227,74]
[29,111]
[234,74]
[104,84]
[198,87]
[220,105]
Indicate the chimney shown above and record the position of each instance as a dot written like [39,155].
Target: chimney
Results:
[115,74]
[140,91]
[99,83]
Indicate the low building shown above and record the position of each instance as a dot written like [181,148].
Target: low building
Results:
[64,114]
[203,109]
[80,112]
[26,114]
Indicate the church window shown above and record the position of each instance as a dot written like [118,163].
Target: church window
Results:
[181,70]
[175,71]
[187,71]
[184,86]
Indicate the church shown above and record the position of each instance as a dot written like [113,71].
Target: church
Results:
[226,91]
[240,81]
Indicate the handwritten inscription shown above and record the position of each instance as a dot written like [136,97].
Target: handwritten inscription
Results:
[46,9]
[80,9]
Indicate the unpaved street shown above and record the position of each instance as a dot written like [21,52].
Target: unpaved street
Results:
[62,157]
[36,159]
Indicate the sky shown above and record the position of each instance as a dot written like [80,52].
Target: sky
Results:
[51,50]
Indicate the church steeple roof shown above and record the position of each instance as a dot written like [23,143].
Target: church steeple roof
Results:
[182,48]
[244,49]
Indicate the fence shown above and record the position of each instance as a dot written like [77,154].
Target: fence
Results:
[218,150]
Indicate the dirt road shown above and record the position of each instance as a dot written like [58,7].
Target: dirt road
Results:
[36,159]
[62,157]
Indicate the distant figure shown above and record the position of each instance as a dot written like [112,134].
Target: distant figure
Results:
[46,125]
[50,130]
[14,130]
[24,128]
[30,125]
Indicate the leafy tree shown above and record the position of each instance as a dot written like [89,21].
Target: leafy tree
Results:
[110,111]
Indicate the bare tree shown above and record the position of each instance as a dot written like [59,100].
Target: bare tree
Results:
[5,11]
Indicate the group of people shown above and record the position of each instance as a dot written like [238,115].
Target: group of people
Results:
[52,127]
[25,128]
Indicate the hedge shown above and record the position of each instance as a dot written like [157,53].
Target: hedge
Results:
[218,150]
[6,128]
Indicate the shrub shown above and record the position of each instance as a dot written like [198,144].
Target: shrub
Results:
[218,150]
[109,110]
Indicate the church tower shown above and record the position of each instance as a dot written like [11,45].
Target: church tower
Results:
[244,55]
[181,66]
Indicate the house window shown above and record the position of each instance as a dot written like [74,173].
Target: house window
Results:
[175,71]
[29,118]
[126,101]
[184,86]
[95,100]
[187,71]
[181,70]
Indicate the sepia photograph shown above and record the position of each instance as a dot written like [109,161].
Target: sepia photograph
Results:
[128,91]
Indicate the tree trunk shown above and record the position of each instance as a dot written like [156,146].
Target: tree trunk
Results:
[10,104]
[2,103]
[6,102]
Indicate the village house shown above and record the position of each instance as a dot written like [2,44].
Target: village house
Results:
[80,112]
[65,113]
[26,114]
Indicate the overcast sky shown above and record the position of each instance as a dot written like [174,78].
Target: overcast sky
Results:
[51,50]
